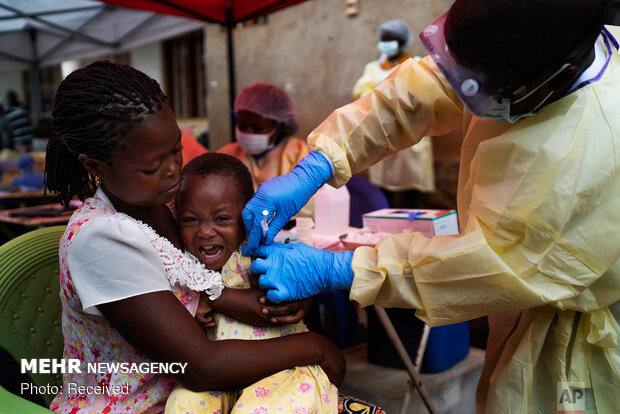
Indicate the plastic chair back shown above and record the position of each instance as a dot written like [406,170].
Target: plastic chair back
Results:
[30,309]
[11,404]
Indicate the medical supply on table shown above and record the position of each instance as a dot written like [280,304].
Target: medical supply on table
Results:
[286,237]
[304,229]
[428,222]
[331,210]
[353,240]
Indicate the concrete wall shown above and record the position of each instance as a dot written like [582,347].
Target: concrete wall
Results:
[312,50]
[149,59]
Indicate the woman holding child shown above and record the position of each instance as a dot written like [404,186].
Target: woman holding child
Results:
[129,292]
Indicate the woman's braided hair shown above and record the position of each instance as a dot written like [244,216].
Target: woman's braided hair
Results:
[94,109]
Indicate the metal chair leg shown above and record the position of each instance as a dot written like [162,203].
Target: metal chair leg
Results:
[422,348]
[407,400]
[402,353]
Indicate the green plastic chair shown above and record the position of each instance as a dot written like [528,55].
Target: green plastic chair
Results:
[30,309]
[11,404]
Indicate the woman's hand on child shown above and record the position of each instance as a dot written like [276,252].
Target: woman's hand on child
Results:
[203,312]
[251,306]
[287,312]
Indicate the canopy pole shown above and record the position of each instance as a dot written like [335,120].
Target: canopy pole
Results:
[35,87]
[232,88]
[35,95]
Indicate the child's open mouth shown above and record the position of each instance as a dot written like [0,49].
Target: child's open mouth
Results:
[210,254]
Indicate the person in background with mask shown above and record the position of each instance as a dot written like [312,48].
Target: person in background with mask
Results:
[17,120]
[265,122]
[405,175]
[538,197]
[394,38]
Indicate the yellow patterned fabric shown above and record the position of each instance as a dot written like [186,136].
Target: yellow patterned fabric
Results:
[539,207]
[298,390]
[301,390]
[236,276]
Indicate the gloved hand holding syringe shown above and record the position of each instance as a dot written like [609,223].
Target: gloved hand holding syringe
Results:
[283,197]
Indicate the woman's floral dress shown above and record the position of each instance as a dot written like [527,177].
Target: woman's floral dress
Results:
[91,339]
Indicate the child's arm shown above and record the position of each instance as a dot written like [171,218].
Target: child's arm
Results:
[241,304]
[282,313]
[254,282]
[286,312]
[251,306]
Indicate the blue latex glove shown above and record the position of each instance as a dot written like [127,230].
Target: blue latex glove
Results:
[296,271]
[285,196]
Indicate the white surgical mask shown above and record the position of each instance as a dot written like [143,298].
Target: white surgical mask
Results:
[254,144]
[388,48]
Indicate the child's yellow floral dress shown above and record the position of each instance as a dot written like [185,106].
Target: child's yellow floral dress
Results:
[299,390]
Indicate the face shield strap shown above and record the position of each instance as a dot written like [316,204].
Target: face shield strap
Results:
[556,73]
[502,110]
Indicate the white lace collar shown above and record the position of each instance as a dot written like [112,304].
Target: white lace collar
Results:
[181,268]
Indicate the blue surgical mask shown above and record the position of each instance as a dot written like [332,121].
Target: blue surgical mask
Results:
[388,48]
[501,112]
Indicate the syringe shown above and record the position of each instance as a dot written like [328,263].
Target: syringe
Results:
[264,223]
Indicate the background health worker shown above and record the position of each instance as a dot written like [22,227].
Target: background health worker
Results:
[265,122]
[539,189]
[405,175]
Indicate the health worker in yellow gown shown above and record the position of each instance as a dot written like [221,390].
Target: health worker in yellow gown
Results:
[265,122]
[409,173]
[534,86]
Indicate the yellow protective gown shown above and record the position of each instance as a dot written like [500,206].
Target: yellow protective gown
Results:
[539,209]
[411,168]
[280,160]
[374,73]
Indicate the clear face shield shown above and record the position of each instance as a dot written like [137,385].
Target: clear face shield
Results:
[484,92]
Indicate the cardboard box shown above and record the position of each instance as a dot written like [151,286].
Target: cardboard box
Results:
[428,222]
